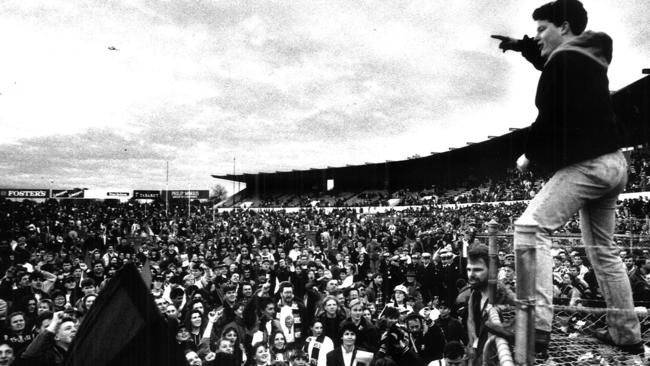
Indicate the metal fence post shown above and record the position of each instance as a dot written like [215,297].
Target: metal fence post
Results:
[494,261]
[525,267]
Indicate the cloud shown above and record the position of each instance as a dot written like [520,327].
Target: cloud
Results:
[279,85]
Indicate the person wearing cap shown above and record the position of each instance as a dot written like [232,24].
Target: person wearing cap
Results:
[506,275]
[394,274]
[427,275]
[398,300]
[449,272]
[413,289]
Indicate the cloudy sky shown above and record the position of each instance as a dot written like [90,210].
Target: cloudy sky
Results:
[278,85]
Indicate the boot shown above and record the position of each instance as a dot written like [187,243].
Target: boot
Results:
[605,337]
[507,332]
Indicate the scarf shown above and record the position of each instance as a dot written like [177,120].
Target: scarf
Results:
[318,343]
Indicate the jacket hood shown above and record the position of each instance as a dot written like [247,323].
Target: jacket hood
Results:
[595,45]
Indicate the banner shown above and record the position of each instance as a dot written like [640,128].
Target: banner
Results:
[147,195]
[24,193]
[188,194]
[124,327]
[68,193]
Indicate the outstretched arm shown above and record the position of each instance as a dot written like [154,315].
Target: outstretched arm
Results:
[527,46]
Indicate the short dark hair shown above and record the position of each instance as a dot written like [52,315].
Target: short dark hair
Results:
[42,317]
[477,252]
[176,292]
[229,287]
[87,282]
[559,11]
[453,350]
[283,285]
[347,325]
[413,316]
[37,275]
[391,312]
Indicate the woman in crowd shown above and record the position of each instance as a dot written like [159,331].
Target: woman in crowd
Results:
[18,334]
[278,347]
[399,299]
[86,302]
[239,352]
[198,304]
[318,345]
[195,325]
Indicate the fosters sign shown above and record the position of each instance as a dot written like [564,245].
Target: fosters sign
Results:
[24,193]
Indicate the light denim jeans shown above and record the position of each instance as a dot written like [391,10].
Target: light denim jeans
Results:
[590,187]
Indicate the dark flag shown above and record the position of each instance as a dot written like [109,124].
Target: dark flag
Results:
[124,328]
[146,272]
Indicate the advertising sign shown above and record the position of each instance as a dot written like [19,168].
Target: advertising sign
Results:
[24,193]
[147,195]
[117,194]
[68,193]
[189,194]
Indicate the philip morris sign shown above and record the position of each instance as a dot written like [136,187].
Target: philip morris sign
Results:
[189,194]
[148,195]
[24,193]
[68,193]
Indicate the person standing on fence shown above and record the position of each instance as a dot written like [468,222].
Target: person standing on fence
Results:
[575,138]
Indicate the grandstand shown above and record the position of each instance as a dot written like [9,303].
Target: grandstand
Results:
[469,166]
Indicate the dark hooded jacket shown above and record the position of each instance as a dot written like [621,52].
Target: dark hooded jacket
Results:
[576,118]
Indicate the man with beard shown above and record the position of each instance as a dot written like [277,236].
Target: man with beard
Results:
[298,318]
[477,307]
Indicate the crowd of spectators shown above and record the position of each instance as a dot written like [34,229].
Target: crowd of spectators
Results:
[273,287]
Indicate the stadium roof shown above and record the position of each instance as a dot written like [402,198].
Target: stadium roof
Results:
[631,104]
